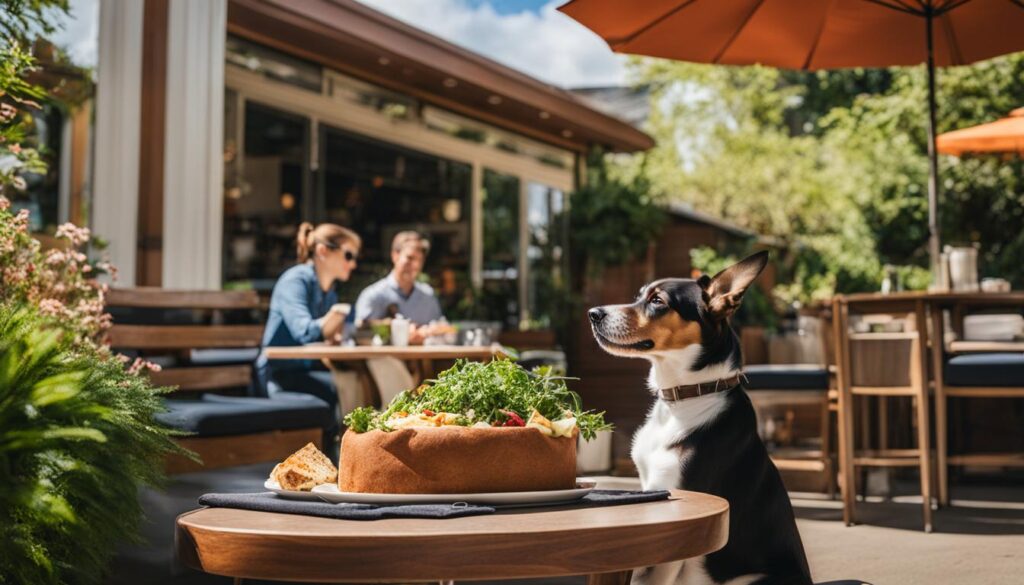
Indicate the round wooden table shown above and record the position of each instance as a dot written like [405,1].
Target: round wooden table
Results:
[605,543]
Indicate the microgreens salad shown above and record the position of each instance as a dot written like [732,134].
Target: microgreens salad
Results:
[499,393]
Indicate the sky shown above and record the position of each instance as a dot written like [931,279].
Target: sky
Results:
[80,32]
[528,35]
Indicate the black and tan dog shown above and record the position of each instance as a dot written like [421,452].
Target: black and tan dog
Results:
[701,434]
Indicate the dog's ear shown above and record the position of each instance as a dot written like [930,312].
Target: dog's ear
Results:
[725,290]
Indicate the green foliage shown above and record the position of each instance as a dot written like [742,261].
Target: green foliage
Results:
[22,19]
[834,163]
[612,219]
[486,392]
[77,440]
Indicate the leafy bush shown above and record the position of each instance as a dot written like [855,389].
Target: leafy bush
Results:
[77,440]
[613,220]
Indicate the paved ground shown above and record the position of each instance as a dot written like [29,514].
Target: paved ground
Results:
[979,540]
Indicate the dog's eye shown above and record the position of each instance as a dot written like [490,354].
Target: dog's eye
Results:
[656,301]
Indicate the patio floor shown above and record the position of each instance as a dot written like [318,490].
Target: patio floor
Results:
[980,539]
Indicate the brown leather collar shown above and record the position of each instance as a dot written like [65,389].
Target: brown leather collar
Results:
[677,393]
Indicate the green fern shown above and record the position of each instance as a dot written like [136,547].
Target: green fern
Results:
[77,440]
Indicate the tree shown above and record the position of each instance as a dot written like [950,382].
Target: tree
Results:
[835,163]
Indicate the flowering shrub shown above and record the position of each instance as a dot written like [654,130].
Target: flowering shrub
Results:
[78,434]
[16,97]
[57,281]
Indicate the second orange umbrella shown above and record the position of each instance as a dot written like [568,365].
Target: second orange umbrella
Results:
[1005,135]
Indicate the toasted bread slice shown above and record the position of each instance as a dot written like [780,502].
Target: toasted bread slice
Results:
[304,470]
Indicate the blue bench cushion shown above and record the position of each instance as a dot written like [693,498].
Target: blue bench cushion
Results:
[985,369]
[786,377]
[212,415]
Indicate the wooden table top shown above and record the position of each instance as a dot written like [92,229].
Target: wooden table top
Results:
[514,543]
[341,353]
[951,297]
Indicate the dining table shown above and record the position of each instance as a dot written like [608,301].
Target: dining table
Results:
[422,360]
[604,543]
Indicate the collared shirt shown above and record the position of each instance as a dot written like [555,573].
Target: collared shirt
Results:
[420,307]
[296,306]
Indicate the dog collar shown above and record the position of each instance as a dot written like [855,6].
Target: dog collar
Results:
[677,393]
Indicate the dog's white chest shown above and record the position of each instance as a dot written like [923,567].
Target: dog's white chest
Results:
[655,446]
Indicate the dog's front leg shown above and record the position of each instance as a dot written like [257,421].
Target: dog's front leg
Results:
[665,574]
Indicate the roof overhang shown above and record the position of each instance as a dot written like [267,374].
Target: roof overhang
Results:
[351,38]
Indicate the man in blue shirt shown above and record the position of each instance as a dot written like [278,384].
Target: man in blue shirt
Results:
[414,300]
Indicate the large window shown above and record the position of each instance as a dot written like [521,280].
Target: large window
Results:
[379,189]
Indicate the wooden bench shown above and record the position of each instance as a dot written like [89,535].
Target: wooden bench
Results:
[175,328]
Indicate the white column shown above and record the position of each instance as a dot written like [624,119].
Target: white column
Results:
[193,166]
[118,103]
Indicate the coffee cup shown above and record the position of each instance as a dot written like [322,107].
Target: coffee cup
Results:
[343,308]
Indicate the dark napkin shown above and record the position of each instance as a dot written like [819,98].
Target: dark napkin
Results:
[598,498]
[269,502]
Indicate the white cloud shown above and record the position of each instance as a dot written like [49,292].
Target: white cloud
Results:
[78,32]
[545,44]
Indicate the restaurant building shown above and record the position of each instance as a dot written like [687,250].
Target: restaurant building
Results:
[220,125]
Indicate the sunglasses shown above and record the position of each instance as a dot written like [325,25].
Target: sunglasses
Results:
[349,254]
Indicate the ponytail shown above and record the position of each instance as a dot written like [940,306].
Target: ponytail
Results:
[327,234]
[304,242]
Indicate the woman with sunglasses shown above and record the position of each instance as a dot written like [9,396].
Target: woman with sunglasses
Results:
[304,309]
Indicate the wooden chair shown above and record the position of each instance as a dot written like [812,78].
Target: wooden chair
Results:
[971,369]
[884,365]
[175,328]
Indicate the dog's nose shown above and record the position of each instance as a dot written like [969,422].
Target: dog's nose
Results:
[597,315]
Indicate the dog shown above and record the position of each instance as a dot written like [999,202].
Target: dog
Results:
[701,433]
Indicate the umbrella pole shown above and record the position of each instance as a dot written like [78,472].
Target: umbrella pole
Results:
[933,157]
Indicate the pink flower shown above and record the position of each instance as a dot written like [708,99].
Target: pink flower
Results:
[50,307]
[4,203]
[140,365]
[76,235]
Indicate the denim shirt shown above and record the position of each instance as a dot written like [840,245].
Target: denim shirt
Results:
[296,305]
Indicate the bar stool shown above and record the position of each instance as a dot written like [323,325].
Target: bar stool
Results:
[971,370]
[886,365]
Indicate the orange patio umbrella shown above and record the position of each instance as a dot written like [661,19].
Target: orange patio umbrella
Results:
[815,34]
[1005,135]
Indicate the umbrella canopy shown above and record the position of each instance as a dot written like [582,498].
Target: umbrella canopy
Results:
[802,34]
[815,34]
[1005,135]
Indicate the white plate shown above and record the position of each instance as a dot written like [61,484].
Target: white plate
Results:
[329,492]
[272,485]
